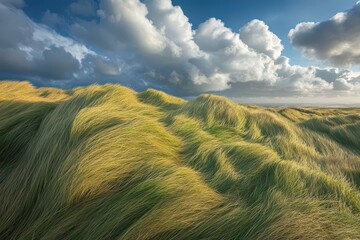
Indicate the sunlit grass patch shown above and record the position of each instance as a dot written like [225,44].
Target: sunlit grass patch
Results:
[106,162]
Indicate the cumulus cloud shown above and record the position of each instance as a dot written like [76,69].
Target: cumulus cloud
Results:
[127,20]
[35,50]
[336,40]
[228,55]
[300,79]
[172,23]
[256,35]
[346,81]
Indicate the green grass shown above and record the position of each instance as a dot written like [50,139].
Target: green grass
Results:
[106,162]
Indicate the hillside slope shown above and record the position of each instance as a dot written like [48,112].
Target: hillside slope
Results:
[106,162]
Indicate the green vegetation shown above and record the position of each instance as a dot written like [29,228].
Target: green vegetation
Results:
[105,162]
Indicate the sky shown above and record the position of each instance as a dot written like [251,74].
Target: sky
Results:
[251,51]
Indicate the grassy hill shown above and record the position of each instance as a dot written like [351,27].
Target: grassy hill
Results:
[106,162]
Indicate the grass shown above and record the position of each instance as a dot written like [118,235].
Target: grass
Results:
[106,162]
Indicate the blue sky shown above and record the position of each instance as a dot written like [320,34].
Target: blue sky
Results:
[240,49]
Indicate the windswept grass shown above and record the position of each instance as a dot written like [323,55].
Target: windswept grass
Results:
[106,162]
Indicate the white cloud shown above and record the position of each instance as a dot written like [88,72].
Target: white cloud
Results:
[229,55]
[300,79]
[336,40]
[171,22]
[47,38]
[256,35]
[127,20]
[212,36]
[347,81]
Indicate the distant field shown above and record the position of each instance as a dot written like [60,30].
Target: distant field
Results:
[106,162]
[314,105]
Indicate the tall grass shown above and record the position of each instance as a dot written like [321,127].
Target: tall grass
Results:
[106,162]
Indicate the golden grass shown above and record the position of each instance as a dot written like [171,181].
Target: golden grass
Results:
[106,162]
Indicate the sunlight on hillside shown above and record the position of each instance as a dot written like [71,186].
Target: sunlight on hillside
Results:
[106,162]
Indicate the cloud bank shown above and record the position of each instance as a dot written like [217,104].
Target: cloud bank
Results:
[153,44]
